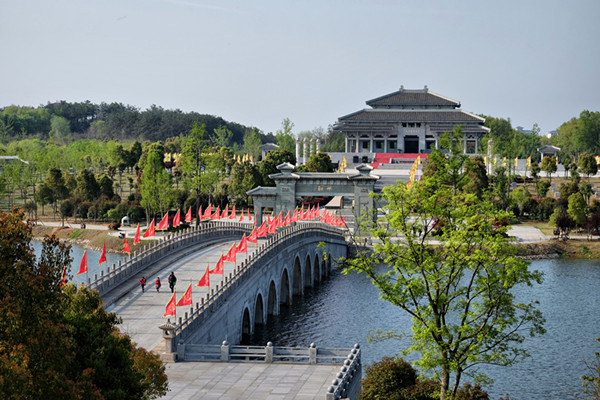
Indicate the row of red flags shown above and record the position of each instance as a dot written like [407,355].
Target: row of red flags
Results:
[268,226]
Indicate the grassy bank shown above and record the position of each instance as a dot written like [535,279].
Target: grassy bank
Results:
[88,238]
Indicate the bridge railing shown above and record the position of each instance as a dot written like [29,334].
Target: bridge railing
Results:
[313,231]
[345,384]
[150,254]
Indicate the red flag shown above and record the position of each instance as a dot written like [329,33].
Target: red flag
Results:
[233,214]
[177,218]
[295,215]
[272,227]
[170,309]
[288,219]
[188,216]
[253,236]
[150,231]
[262,230]
[186,299]
[242,247]
[225,213]
[103,255]
[206,212]
[205,280]
[83,263]
[163,225]
[344,222]
[249,216]
[230,256]
[216,214]
[218,269]
[136,238]
[280,219]
[241,217]
[126,248]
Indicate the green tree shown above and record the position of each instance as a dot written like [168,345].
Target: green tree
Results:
[269,165]
[156,189]
[221,137]
[548,166]
[244,177]
[320,162]
[60,131]
[59,343]
[577,208]
[193,163]
[106,187]
[87,188]
[457,289]
[587,165]
[285,136]
[591,383]
[476,176]
[252,142]
[56,184]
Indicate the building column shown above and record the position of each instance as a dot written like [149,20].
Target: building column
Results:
[305,159]
[297,152]
[346,145]
[312,147]
[318,143]
[371,147]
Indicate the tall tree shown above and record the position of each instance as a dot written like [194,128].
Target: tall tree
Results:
[587,165]
[548,166]
[87,188]
[193,163]
[156,188]
[458,287]
[285,136]
[221,136]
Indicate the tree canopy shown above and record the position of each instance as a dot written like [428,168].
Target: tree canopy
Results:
[58,342]
[452,267]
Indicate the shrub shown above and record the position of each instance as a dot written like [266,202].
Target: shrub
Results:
[389,378]
[114,226]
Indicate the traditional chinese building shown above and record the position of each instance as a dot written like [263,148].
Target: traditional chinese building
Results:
[408,121]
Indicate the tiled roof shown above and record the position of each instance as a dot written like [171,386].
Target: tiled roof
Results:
[396,116]
[407,98]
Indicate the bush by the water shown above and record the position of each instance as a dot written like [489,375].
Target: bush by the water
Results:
[395,379]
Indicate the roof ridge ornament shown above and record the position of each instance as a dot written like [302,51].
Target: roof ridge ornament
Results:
[426,89]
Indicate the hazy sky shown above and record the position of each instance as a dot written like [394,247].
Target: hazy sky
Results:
[257,62]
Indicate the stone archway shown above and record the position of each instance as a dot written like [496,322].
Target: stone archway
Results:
[284,297]
[317,269]
[272,300]
[308,282]
[297,288]
[259,311]
[246,326]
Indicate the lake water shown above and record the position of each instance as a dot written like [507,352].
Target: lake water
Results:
[342,310]
[93,257]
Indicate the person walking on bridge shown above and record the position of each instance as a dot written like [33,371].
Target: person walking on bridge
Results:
[172,281]
[142,283]
[157,284]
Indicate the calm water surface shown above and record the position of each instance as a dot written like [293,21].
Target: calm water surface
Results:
[92,261]
[342,310]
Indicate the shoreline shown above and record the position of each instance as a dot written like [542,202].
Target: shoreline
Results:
[575,248]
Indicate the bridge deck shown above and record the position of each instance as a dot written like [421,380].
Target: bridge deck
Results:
[142,312]
[213,380]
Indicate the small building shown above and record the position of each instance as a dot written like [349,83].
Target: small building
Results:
[408,121]
[5,160]
[267,147]
[548,150]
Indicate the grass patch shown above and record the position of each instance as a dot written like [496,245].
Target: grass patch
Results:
[75,235]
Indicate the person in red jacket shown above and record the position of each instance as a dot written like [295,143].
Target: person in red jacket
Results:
[157,284]
[142,283]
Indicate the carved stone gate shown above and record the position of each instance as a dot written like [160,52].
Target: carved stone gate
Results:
[292,186]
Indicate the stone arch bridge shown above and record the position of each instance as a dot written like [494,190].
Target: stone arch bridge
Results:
[281,268]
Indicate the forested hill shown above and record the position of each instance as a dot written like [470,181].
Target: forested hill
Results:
[64,121]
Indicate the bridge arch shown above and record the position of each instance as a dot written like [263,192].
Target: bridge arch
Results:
[259,310]
[317,269]
[285,296]
[308,272]
[297,288]
[272,304]
[323,269]
[246,326]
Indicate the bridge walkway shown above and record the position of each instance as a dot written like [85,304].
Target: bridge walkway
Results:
[142,312]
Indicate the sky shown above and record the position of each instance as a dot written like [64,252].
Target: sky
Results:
[257,62]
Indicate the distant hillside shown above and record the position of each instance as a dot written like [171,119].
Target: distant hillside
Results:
[105,121]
